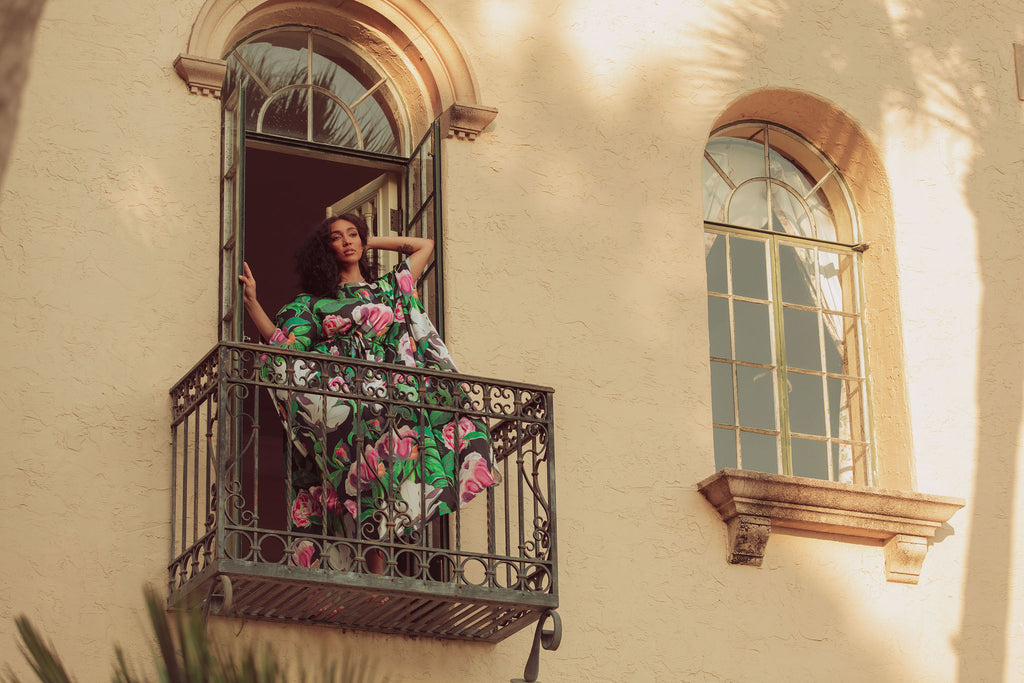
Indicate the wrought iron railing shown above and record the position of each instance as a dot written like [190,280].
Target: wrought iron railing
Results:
[480,572]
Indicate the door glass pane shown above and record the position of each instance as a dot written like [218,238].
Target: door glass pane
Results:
[802,347]
[756,388]
[810,458]
[721,393]
[760,452]
[753,332]
[749,268]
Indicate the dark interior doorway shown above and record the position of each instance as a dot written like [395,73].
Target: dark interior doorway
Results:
[286,195]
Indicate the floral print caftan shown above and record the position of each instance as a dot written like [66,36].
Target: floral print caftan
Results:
[354,460]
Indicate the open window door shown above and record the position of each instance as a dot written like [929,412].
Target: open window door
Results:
[378,203]
[232,213]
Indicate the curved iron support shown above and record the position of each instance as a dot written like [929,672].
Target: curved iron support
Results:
[550,639]
[219,602]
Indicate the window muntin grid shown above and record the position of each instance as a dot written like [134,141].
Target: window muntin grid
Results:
[304,84]
[783,309]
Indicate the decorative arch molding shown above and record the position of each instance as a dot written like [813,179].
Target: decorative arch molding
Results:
[404,36]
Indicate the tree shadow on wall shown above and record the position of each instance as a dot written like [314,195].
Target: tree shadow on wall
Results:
[931,77]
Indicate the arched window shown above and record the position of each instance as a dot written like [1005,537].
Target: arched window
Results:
[788,369]
[308,85]
[314,125]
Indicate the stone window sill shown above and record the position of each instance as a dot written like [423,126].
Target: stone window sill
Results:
[752,504]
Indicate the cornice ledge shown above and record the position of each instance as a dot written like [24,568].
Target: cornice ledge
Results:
[901,520]
[466,121]
[203,76]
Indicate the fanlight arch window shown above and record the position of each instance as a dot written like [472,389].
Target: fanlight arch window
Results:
[788,367]
[308,85]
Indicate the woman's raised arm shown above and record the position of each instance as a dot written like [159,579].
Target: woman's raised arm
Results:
[418,249]
[252,305]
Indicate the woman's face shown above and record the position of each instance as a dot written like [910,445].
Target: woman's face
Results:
[345,240]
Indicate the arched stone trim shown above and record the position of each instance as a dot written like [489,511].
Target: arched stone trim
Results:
[404,36]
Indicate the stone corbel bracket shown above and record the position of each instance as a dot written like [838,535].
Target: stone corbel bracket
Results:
[203,76]
[752,504]
[466,121]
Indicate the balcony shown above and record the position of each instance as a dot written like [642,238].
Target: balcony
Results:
[480,573]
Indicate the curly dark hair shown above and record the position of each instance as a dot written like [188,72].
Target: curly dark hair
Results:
[317,264]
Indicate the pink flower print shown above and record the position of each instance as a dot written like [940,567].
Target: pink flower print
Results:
[448,434]
[406,351]
[364,471]
[335,324]
[341,454]
[375,318]
[303,508]
[350,505]
[406,282]
[399,311]
[337,383]
[326,497]
[302,555]
[402,444]
[474,478]
[278,338]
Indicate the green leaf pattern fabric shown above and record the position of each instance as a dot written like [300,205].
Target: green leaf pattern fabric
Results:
[355,462]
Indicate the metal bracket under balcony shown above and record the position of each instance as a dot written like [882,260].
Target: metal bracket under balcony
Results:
[479,573]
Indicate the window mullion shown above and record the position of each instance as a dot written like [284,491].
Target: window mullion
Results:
[782,380]
[732,353]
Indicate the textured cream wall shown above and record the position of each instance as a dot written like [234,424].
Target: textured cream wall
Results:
[575,260]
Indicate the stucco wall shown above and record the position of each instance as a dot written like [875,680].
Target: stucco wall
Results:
[575,260]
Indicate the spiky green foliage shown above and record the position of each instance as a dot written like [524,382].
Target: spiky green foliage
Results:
[186,653]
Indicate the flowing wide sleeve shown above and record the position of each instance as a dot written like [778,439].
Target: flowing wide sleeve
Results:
[297,328]
[415,336]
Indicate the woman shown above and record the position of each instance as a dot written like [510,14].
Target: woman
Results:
[357,461]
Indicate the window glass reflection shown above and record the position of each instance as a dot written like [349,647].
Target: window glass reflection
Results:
[806,404]
[714,252]
[756,388]
[764,180]
[749,206]
[803,349]
[760,452]
[810,458]
[722,406]
[725,448]
[352,104]
[749,268]
[753,332]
